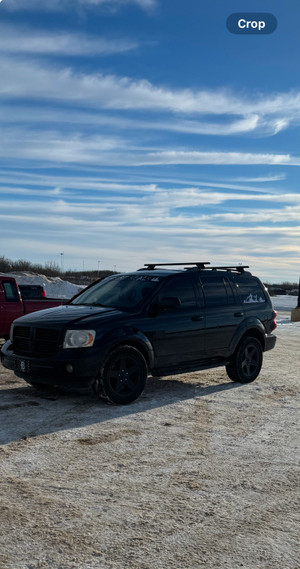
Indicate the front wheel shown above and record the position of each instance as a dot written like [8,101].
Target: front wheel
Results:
[246,362]
[123,377]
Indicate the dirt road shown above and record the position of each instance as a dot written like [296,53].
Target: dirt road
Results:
[200,472]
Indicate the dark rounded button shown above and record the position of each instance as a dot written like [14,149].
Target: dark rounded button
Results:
[251,23]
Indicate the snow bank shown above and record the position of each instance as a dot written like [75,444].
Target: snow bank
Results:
[284,302]
[55,287]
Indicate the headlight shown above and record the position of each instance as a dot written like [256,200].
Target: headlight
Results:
[79,339]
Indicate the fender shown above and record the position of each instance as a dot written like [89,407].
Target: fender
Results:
[246,326]
[131,337]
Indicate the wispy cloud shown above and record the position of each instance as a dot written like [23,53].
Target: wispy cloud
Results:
[268,250]
[48,82]
[226,158]
[45,114]
[54,146]
[252,227]
[113,183]
[59,5]
[262,179]
[172,109]
[151,206]
[24,40]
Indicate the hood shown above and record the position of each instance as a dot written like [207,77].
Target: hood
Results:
[67,314]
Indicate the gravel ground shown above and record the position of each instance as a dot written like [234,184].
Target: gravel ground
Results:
[200,472]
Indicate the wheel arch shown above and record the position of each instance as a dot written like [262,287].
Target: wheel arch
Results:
[128,336]
[254,333]
[144,348]
[251,329]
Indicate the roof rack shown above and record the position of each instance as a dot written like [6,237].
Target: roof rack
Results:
[196,266]
[151,266]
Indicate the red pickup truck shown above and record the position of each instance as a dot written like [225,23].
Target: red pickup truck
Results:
[12,305]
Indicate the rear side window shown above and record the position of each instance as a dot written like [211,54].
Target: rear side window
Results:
[217,291]
[10,292]
[251,292]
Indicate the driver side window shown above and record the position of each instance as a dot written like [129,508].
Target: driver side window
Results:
[181,288]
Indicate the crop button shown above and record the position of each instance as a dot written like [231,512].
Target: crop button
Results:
[251,23]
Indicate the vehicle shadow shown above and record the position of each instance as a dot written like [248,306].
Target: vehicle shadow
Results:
[26,412]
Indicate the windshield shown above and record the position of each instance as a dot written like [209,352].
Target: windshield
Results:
[120,291]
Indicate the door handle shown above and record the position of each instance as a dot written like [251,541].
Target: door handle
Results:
[197,318]
[238,314]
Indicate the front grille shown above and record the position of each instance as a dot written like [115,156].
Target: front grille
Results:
[35,341]
[22,338]
[46,340]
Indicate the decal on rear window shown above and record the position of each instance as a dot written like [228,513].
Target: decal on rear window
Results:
[253,298]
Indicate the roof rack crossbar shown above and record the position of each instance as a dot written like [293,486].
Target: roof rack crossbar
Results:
[151,266]
[239,268]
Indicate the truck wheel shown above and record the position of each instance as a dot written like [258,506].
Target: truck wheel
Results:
[123,377]
[246,362]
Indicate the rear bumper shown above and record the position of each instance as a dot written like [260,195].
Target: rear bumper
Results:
[72,368]
[270,341]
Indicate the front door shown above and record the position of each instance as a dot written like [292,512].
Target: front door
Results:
[177,334]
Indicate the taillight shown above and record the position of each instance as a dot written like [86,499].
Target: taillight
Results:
[274,319]
[43,293]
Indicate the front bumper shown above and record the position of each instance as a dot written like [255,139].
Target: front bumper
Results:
[70,368]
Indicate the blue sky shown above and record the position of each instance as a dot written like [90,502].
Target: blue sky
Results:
[143,130]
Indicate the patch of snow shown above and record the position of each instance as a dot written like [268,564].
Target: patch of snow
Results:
[55,287]
[284,302]
[285,326]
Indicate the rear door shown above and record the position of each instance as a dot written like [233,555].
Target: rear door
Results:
[222,313]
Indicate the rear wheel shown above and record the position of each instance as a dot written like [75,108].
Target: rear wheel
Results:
[123,377]
[246,362]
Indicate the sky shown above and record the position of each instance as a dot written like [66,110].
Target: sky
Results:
[137,131]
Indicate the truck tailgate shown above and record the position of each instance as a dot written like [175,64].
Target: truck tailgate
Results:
[42,304]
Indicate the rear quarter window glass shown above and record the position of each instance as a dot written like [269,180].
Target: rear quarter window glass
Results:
[251,292]
[10,291]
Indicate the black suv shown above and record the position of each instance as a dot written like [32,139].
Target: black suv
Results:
[155,320]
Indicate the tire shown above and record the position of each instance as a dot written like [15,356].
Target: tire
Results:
[123,377]
[246,362]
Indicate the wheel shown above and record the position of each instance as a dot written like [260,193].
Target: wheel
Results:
[123,377]
[246,362]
